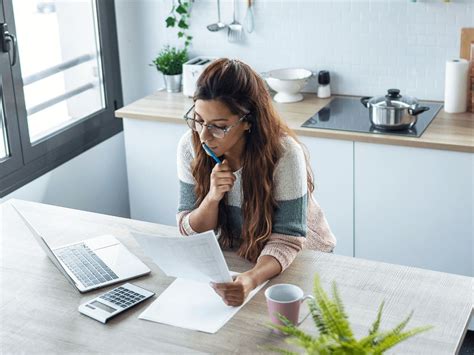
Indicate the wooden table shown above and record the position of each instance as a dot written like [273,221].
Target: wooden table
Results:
[38,309]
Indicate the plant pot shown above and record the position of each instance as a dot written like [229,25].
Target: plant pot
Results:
[173,82]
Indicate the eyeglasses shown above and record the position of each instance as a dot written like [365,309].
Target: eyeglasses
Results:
[217,132]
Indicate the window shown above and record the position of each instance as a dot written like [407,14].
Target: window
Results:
[60,84]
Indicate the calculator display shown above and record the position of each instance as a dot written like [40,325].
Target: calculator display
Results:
[103,306]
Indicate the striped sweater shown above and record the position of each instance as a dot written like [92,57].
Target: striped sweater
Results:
[298,221]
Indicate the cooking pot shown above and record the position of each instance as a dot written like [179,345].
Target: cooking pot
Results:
[393,111]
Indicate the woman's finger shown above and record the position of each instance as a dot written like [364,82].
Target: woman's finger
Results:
[233,298]
[228,181]
[227,186]
[219,292]
[222,174]
[224,188]
[235,303]
[222,167]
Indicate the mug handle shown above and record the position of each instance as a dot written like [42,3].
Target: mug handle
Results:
[307,297]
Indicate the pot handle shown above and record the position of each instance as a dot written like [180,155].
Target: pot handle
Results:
[418,110]
[364,100]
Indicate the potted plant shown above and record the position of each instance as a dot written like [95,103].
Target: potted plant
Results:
[335,333]
[170,62]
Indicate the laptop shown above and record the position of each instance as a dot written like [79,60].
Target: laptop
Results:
[92,263]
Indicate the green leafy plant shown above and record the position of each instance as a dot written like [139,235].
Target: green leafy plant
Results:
[335,334]
[179,17]
[170,60]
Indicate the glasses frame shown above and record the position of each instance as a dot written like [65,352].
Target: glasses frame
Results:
[225,130]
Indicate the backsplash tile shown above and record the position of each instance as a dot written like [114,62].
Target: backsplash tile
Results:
[368,45]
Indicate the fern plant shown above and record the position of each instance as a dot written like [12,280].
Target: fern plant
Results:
[335,333]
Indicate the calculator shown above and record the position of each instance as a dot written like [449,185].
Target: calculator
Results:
[111,303]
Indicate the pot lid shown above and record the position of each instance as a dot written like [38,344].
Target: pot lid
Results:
[393,100]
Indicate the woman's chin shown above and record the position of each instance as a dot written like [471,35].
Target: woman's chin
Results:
[217,151]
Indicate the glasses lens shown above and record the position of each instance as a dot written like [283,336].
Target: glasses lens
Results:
[191,123]
[195,125]
[217,132]
[198,126]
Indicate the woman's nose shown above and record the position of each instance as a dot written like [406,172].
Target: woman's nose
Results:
[205,135]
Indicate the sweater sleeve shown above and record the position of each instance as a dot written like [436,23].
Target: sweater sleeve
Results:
[289,221]
[284,248]
[187,197]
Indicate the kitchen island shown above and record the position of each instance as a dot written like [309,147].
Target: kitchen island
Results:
[390,198]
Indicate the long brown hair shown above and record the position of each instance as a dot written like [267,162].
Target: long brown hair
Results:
[242,90]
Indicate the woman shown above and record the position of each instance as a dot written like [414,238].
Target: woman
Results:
[259,199]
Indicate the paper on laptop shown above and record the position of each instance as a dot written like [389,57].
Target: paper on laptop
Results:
[197,257]
[192,305]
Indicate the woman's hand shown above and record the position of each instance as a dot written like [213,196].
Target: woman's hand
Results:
[235,293]
[222,180]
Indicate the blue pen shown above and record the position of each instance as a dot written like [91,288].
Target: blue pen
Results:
[211,153]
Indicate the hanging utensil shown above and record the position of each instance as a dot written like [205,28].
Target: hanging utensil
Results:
[249,20]
[214,27]
[234,33]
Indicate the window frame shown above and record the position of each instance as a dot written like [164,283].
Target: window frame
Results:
[48,153]
[7,96]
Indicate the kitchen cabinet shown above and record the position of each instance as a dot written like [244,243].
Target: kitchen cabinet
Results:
[332,165]
[150,149]
[402,205]
[414,206]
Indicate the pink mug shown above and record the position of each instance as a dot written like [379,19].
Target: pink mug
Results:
[286,300]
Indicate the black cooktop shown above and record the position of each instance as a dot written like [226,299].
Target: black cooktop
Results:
[348,114]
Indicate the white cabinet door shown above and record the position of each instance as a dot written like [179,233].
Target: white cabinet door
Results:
[414,207]
[151,149]
[332,164]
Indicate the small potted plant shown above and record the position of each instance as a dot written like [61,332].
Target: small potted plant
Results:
[170,62]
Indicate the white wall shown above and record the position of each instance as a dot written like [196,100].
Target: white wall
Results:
[94,181]
[138,39]
[368,45]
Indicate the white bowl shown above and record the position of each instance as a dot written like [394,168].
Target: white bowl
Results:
[287,83]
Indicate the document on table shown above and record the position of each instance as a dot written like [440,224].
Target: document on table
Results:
[197,257]
[192,305]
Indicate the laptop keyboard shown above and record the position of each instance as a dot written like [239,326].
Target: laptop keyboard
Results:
[85,264]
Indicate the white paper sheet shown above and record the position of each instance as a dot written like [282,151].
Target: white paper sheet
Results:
[192,305]
[198,257]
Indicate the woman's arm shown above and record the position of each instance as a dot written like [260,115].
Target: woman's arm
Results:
[204,217]
[266,268]
[235,293]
